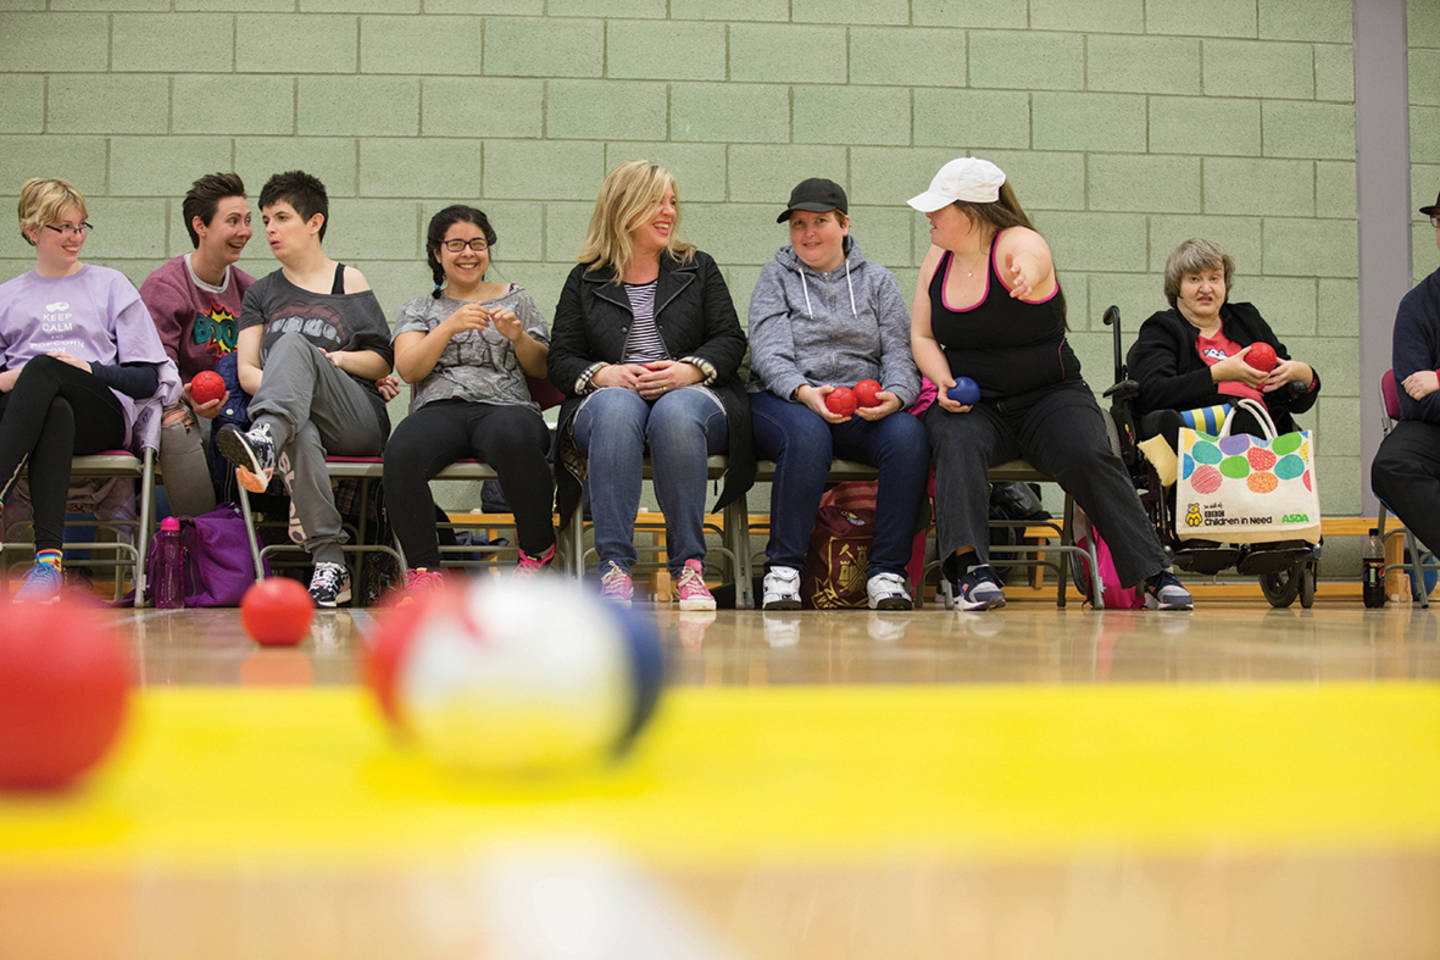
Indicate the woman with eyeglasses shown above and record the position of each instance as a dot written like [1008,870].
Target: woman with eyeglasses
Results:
[468,347]
[80,359]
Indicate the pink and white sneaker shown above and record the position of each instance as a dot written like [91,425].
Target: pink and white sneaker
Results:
[616,586]
[420,581]
[530,567]
[690,588]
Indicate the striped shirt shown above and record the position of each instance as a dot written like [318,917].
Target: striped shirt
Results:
[643,345]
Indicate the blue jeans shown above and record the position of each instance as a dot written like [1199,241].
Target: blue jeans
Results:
[802,444]
[614,427]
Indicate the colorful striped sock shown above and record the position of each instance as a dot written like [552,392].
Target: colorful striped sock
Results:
[51,557]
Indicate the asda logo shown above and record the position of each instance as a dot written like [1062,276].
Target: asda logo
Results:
[1295,518]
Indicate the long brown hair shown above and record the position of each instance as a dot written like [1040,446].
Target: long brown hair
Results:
[1001,214]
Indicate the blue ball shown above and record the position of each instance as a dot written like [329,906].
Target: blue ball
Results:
[965,391]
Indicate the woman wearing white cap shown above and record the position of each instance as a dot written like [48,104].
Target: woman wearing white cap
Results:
[988,306]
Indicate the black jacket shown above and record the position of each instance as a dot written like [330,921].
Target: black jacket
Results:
[1173,376]
[696,319]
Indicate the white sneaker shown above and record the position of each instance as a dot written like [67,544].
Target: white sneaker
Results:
[887,592]
[782,589]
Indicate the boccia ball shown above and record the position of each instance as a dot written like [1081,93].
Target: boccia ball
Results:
[276,612]
[841,400]
[965,391]
[1262,357]
[866,393]
[205,386]
[495,675]
[64,679]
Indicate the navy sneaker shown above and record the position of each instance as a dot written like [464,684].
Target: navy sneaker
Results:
[1164,592]
[979,590]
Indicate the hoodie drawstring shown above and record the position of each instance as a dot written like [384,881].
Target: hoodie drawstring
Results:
[849,285]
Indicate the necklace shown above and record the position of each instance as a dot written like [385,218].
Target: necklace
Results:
[970,269]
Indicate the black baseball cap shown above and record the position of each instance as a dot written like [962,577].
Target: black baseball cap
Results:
[818,195]
[1429,211]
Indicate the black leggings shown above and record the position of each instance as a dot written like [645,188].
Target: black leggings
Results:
[54,412]
[512,439]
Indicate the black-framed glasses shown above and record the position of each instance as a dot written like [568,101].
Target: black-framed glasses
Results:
[80,231]
[455,246]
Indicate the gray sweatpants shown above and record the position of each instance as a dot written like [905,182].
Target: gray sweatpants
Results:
[314,408]
[185,470]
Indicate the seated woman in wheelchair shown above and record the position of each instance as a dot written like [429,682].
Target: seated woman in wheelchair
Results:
[80,357]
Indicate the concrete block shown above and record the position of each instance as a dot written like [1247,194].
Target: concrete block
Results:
[359,6]
[1095,241]
[1230,127]
[1424,184]
[1425,76]
[1241,68]
[1322,130]
[544,47]
[164,166]
[333,160]
[1239,236]
[765,173]
[230,104]
[81,160]
[888,176]
[1319,20]
[692,51]
[54,42]
[740,279]
[976,118]
[1335,189]
[237,6]
[475,107]
[1338,309]
[408,167]
[1019,60]
[1118,16]
[730,10]
[1138,295]
[565,226]
[127,228]
[1088,121]
[107,103]
[24,99]
[1254,187]
[1094,350]
[1142,64]
[1338,481]
[996,14]
[1321,248]
[1335,72]
[1338,425]
[519,229]
[394,282]
[1042,181]
[1215,18]
[361,230]
[884,234]
[850,11]
[399,45]
[654,9]
[787,54]
[494,8]
[543,281]
[169,42]
[518,169]
[296,43]
[734,232]
[600,109]
[907,277]
[698,168]
[736,113]
[1337,361]
[18,5]
[878,115]
[1286,303]
[911,56]
[1128,182]
[359,106]
[1423,24]
[1424,132]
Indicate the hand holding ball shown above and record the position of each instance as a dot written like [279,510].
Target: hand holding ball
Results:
[276,612]
[867,393]
[965,391]
[1262,357]
[841,401]
[206,385]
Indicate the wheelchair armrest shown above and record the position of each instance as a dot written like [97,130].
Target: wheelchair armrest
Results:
[1124,390]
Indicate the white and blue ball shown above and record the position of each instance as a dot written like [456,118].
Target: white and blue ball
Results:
[495,674]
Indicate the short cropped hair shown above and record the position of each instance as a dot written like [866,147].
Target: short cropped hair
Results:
[628,193]
[44,199]
[302,191]
[1193,256]
[204,196]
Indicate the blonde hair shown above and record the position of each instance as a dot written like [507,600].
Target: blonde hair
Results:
[1192,256]
[629,192]
[43,200]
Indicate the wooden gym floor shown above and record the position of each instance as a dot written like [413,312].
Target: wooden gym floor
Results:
[1233,782]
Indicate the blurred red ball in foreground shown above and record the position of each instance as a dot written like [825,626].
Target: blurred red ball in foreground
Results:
[1262,357]
[205,386]
[63,684]
[867,393]
[841,400]
[276,612]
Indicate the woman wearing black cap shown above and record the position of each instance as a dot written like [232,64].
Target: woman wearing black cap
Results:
[821,317]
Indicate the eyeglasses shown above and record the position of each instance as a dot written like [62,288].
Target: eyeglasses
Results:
[455,246]
[66,230]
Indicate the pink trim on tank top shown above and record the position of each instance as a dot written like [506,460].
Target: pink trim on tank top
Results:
[945,281]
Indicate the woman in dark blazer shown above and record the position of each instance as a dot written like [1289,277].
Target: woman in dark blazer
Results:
[647,348]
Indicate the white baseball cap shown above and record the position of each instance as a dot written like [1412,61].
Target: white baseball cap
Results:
[964,178]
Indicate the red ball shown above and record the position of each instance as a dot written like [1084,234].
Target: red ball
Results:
[866,393]
[841,400]
[1262,357]
[205,386]
[63,683]
[276,612]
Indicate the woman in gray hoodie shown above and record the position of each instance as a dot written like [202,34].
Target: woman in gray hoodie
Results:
[823,317]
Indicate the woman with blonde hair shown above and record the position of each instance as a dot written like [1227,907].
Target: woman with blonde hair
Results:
[646,347]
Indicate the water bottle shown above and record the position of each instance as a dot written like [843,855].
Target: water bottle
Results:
[169,584]
[1372,565]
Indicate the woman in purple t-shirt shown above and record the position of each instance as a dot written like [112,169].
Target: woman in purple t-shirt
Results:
[79,355]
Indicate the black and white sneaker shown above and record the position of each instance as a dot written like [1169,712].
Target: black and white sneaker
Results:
[979,590]
[252,452]
[1164,592]
[330,584]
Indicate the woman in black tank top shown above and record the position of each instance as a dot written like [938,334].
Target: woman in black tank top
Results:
[988,307]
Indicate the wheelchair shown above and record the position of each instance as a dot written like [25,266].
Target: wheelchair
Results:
[1286,569]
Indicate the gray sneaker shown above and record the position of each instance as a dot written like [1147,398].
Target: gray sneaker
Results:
[1164,592]
[979,590]
[252,452]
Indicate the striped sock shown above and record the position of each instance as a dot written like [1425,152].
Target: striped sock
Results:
[51,557]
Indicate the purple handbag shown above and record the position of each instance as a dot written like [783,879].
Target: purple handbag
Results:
[216,552]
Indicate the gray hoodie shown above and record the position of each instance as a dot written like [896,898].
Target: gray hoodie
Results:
[834,328]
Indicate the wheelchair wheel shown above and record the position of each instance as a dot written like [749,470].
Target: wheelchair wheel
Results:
[1309,577]
[1283,586]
